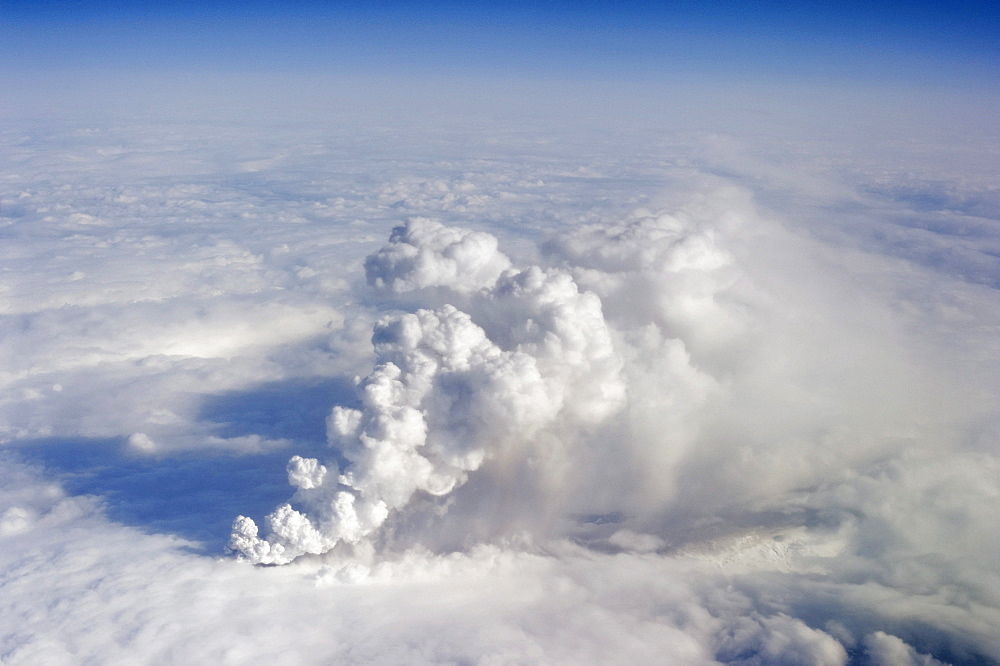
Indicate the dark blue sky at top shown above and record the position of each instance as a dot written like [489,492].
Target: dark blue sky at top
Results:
[839,40]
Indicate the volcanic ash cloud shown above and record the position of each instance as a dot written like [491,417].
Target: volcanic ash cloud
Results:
[449,391]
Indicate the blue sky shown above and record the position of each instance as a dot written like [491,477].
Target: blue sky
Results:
[923,41]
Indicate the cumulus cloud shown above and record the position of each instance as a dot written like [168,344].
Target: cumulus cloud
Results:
[425,253]
[669,267]
[445,396]
[656,386]
[887,650]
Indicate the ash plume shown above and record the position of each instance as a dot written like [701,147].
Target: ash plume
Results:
[446,395]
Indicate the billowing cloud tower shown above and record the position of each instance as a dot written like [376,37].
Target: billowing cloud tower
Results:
[450,390]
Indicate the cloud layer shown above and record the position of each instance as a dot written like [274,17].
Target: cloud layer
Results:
[623,394]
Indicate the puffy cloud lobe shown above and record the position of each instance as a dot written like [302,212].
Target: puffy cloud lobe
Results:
[444,389]
[305,473]
[887,650]
[778,639]
[425,253]
[444,397]
[667,268]
[549,318]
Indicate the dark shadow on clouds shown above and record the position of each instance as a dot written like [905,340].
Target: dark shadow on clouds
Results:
[197,494]
[294,409]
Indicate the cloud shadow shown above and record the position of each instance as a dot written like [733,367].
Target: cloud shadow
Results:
[197,494]
[294,409]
